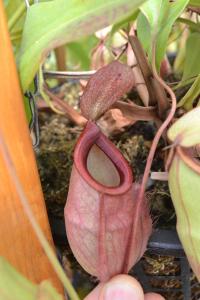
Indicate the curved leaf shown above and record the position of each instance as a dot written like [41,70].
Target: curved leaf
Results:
[193,26]
[195,3]
[160,15]
[184,186]
[186,131]
[125,22]
[79,52]
[191,95]
[192,61]
[50,24]
[13,286]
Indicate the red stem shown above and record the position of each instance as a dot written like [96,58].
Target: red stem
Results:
[162,127]
[157,137]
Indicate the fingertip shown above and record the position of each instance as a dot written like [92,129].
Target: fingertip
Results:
[122,287]
[94,295]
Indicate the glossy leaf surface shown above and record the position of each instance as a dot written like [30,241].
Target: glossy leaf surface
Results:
[155,23]
[186,131]
[184,186]
[188,100]
[51,24]
[192,61]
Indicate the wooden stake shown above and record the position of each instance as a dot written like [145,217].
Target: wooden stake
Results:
[18,243]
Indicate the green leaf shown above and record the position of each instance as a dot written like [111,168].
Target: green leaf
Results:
[186,131]
[16,12]
[184,186]
[124,22]
[160,15]
[79,52]
[13,286]
[144,33]
[27,110]
[195,3]
[179,60]
[192,25]
[192,61]
[52,24]
[194,91]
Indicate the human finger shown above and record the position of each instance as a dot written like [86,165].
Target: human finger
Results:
[94,295]
[120,287]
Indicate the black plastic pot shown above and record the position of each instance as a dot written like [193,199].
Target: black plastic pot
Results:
[162,243]
[166,243]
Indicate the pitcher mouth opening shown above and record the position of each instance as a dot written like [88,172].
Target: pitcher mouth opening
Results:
[93,136]
[101,168]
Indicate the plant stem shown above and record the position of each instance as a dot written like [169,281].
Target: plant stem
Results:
[71,113]
[141,194]
[61,64]
[155,89]
[162,127]
[69,74]
[47,248]
[143,64]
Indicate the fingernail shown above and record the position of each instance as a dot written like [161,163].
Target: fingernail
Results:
[120,292]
